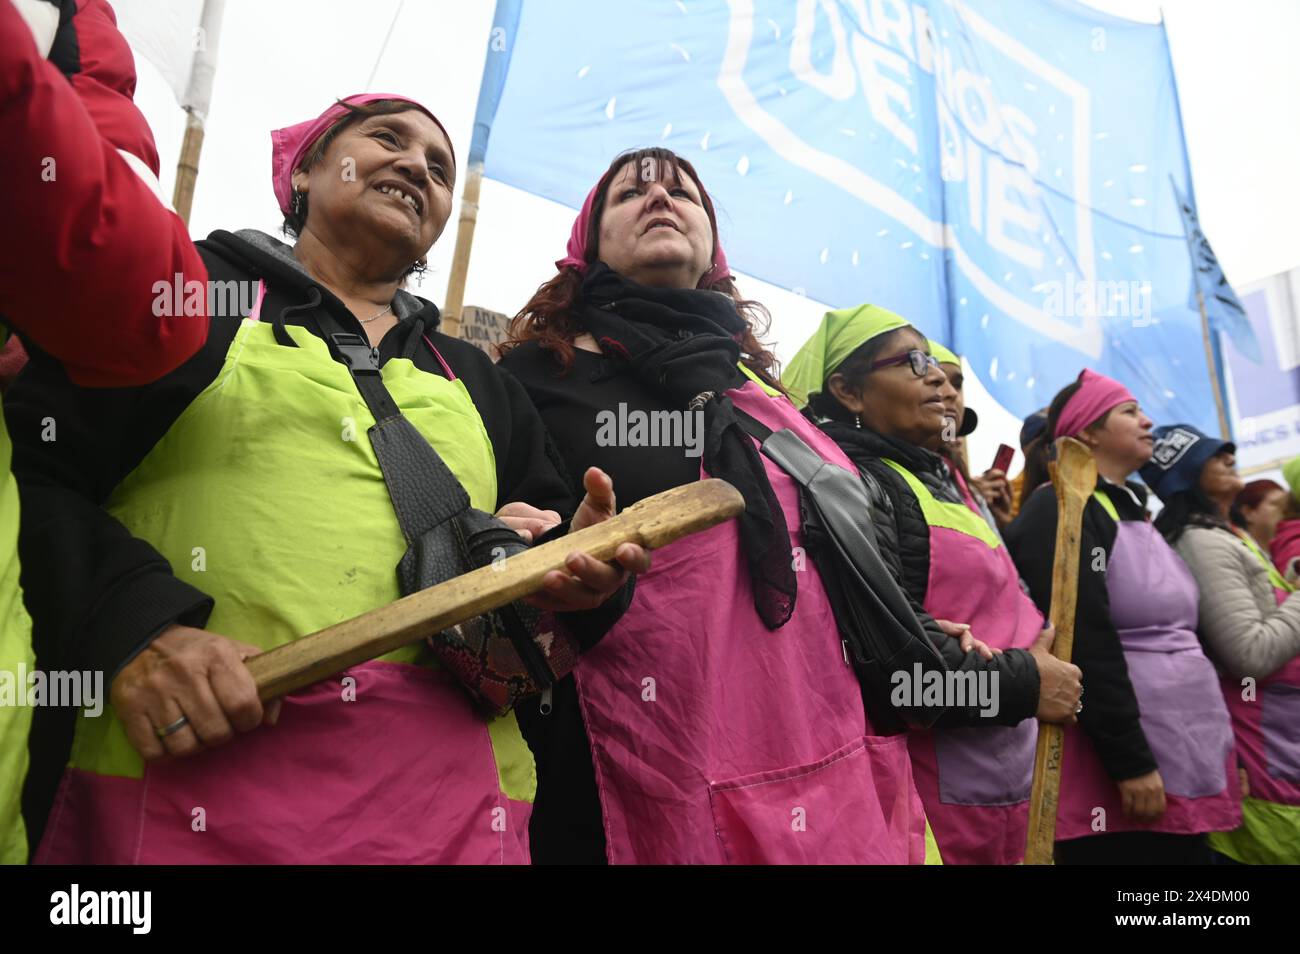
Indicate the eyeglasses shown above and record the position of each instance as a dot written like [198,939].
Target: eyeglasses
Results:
[920,361]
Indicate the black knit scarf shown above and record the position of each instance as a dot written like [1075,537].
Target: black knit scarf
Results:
[684,343]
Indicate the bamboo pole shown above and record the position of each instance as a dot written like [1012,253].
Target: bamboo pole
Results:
[454,302]
[196,101]
[187,167]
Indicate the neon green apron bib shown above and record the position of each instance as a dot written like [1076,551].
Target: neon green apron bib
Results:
[266,494]
[15,652]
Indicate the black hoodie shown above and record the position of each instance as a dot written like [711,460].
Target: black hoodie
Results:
[97,595]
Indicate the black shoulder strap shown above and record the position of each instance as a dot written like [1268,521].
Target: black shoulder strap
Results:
[424,491]
[873,614]
[753,426]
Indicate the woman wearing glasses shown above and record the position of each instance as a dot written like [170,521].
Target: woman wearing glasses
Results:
[875,389]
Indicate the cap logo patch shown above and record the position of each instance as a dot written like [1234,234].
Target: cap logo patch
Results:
[1171,448]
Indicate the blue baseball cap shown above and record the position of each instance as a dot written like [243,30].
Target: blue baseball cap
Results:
[1034,425]
[1180,453]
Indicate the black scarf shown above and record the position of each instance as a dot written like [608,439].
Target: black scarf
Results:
[684,343]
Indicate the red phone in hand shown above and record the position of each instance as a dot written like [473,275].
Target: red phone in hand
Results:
[1004,456]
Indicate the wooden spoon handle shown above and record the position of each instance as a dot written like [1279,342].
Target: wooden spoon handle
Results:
[653,522]
[1074,475]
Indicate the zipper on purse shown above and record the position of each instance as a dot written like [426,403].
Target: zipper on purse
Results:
[545,706]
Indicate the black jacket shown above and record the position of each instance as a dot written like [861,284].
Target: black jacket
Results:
[1110,717]
[904,538]
[96,594]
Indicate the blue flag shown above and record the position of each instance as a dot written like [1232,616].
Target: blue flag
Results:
[1223,310]
[998,177]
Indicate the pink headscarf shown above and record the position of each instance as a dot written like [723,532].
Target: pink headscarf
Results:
[1097,394]
[576,251]
[290,144]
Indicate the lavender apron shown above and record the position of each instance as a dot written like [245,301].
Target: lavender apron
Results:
[716,740]
[1153,599]
[974,781]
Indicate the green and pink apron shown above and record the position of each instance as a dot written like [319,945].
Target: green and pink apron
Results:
[718,741]
[1153,606]
[15,654]
[974,780]
[266,494]
[1266,725]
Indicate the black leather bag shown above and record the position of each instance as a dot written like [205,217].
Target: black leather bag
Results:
[498,658]
[881,634]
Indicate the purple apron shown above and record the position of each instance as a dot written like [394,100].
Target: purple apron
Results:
[1153,599]
[716,740]
[974,781]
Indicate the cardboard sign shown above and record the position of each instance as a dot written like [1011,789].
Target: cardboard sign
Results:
[483,329]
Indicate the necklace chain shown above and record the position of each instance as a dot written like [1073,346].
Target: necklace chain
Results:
[386,310]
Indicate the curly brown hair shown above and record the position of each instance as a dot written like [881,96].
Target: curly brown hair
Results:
[548,316]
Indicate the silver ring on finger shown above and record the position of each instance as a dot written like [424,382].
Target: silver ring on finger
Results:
[1078,708]
[172,727]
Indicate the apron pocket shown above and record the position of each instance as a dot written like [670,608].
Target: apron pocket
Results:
[403,774]
[1280,722]
[855,806]
[991,765]
[1184,718]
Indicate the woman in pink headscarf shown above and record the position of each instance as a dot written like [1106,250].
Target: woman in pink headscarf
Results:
[273,485]
[1150,767]
[720,720]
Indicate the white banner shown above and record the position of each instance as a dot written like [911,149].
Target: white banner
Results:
[1265,395]
[172,35]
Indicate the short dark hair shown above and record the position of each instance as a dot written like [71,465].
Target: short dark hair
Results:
[855,369]
[296,218]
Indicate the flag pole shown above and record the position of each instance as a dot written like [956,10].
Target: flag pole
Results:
[198,96]
[501,44]
[187,167]
[454,302]
[1210,364]
[1224,431]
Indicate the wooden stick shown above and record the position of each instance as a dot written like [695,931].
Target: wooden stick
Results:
[454,300]
[187,167]
[1074,474]
[653,523]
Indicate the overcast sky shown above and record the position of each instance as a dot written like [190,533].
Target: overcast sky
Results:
[281,62]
